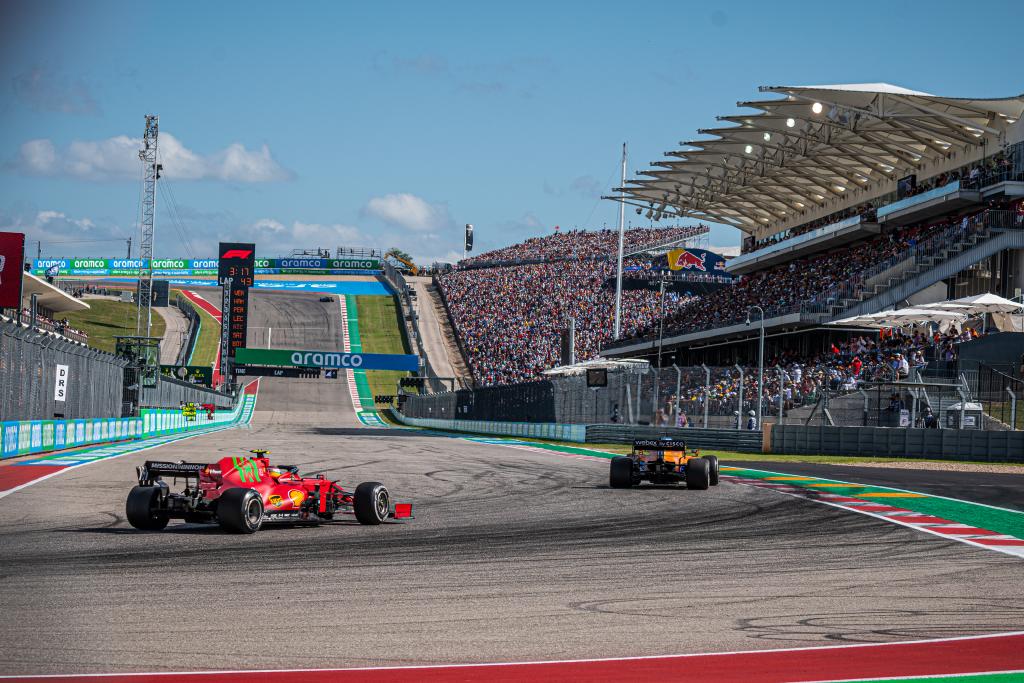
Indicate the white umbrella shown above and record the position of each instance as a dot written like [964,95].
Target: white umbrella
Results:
[866,320]
[988,303]
[921,315]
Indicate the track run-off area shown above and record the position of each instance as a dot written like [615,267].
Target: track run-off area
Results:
[520,559]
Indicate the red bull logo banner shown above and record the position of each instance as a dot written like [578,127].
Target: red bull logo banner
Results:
[696,261]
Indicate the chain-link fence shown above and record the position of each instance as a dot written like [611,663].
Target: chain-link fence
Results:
[1002,398]
[170,393]
[726,398]
[29,363]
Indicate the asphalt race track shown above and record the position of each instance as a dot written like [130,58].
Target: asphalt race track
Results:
[1002,490]
[514,555]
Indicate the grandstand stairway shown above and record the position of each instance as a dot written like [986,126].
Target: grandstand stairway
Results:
[922,271]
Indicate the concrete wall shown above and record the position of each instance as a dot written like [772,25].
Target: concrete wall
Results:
[939,444]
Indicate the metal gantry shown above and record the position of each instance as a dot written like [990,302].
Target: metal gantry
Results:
[150,174]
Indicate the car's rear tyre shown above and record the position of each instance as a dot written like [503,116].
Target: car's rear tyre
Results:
[240,511]
[698,474]
[143,509]
[713,463]
[620,476]
[372,504]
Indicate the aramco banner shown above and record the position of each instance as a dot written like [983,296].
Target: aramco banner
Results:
[696,261]
[328,359]
[196,267]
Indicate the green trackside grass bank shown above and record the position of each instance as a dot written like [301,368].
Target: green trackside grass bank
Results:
[1009,677]
[379,331]
[107,319]
[205,350]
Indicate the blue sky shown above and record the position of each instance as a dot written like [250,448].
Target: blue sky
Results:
[393,124]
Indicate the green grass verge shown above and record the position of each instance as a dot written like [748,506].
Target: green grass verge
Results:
[107,319]
[205,351]
[380,330]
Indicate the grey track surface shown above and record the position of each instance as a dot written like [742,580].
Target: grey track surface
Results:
[514,555]
[1001,490]
[438,340]
[174,336]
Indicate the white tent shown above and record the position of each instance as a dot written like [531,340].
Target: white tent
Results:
[980,303]
[902,317]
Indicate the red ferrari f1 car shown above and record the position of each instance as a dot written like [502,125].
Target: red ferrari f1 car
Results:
[242,494]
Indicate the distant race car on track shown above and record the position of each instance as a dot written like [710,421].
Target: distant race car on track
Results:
[242,494]
[327,299]
[663,461]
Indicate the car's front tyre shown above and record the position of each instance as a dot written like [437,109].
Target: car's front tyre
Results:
[713,467]
[372,503]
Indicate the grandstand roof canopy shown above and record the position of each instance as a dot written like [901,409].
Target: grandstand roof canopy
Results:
[812,144]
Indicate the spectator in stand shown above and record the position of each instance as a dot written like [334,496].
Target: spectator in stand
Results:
[580,245]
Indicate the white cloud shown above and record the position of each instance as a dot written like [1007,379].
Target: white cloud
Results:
[272,237]
[408,211]
[117,158]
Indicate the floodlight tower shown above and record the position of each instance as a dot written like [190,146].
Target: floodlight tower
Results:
[150,174]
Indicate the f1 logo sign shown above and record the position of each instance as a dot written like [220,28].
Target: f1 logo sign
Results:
[237,253]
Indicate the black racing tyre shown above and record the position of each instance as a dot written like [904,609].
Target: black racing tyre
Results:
[621,474]
[142,509]
[713,464]
[240,511]
[372,503]
[698,474]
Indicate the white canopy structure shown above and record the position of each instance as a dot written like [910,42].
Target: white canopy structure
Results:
[633,365]
[978,304]
[904,316]
[815,144]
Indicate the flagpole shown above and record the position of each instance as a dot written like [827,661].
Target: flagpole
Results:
[622,238]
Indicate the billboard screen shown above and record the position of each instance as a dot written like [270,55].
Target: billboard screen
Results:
[12,255]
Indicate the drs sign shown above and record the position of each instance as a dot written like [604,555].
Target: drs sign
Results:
[60,385]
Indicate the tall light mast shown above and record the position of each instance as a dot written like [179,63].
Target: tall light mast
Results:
[150,174]
[622,229]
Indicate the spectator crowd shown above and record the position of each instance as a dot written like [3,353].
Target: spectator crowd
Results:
[581,244]
[509,318]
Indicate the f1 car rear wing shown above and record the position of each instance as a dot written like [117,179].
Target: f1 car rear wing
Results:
[156,468]
[659,445]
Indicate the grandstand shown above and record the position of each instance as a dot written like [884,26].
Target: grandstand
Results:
[851,199]
[508,306]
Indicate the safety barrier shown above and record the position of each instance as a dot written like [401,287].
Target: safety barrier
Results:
[530,430]
[43,436]
[939,444]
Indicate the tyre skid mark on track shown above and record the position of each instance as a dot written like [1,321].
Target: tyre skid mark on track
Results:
[943,528]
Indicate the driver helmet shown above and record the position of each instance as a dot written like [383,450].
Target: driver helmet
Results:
[751,413]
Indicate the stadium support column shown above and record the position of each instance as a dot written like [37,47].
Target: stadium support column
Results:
[622,232]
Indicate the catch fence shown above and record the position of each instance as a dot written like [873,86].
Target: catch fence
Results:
[726,398]
[29,365]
